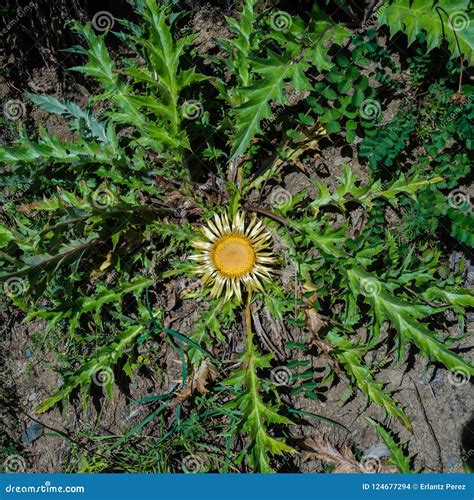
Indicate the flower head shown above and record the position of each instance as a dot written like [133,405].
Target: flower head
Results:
[231,254]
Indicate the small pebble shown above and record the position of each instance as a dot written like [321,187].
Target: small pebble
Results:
[378,450]
[32,433]
[454,464]
[437,379]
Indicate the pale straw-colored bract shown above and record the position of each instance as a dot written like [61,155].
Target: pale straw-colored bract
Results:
[231,255]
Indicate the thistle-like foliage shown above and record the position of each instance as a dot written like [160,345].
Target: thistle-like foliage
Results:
[239,50]
[345,261]
[99,232]
[262,80]
[398,454]
[97,206]
[255,413]
[98,371]
[404,315]
[350,357]
[452,20]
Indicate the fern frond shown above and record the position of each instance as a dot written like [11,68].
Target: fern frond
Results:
[462,225]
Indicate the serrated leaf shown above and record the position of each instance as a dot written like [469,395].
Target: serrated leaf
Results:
[324,33]
[449,19]
[349,191]
[398,456]
[405,317]
[104,359]
[275,70]
[350,357]
[57,151]
[255,413]
[69,109]
[457,297]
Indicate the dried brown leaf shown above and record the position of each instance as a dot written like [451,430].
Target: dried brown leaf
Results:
[314,320]
[205,374]
[322,449]
[344,461]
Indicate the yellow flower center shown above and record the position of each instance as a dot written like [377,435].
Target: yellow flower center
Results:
[233,255]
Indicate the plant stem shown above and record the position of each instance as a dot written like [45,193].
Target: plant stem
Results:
[248,325]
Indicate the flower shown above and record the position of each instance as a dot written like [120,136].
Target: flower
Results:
[231,254]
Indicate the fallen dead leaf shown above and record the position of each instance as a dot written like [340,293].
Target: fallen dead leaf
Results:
[205,374]
[321,448]
[344,460]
